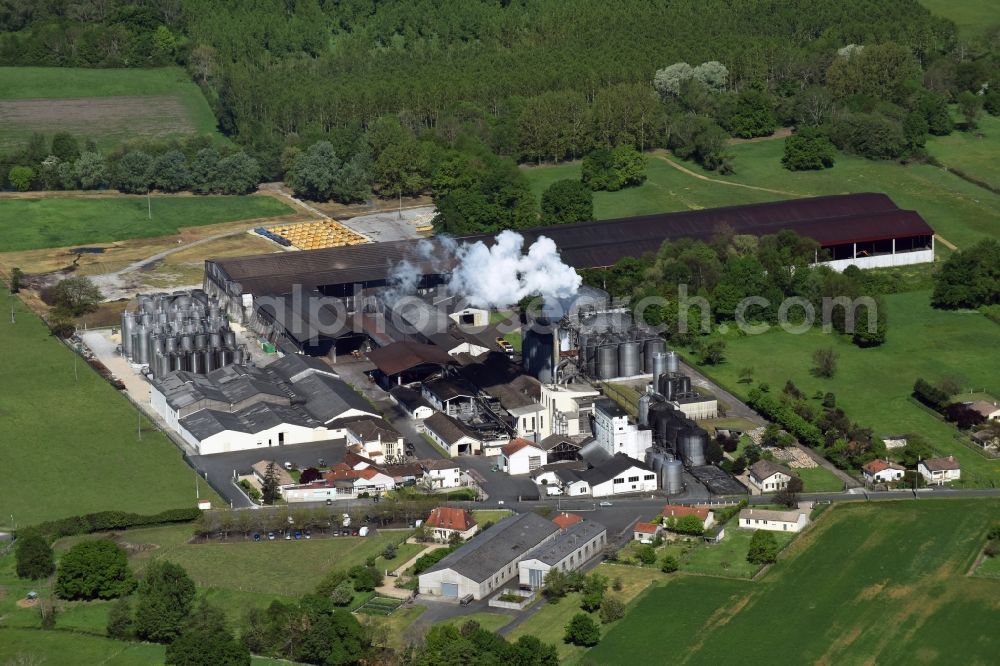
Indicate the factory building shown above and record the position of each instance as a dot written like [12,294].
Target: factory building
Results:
[864,230]
[576,545]
[615,434]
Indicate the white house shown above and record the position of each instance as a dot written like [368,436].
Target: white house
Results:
[676,511]
[769,477]
[489,560]
[989,410]
[471,318]
[939,471]
[615,434]
[646,532]
[444,522]
[776,521]
[377,439]
[617,475]
[521,457]
[882,471]
[570,550]
[440,473]
[451,435]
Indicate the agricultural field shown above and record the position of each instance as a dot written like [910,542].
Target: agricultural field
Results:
[959,211]
[109,106]
[971,16]
[972,153]
[61,421]
[844,592]
[50,222]
[921,342]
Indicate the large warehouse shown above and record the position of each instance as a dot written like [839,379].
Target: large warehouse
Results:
[867,230]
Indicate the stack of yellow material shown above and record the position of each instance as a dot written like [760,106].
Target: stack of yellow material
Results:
[317,235]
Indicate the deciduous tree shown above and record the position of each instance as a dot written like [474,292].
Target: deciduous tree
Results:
[94,569]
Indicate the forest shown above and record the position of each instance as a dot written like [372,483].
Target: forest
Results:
[347,99]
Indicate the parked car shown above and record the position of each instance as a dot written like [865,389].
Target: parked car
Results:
[307,534]
[270,536]
[288,536]
[500,503]
[288,465]
[256,536]
[606,503]
[345,532]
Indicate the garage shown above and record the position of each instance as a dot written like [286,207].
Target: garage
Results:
[449,590]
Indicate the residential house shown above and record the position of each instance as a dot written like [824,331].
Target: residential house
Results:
[440,474]
[568,551]
[775,521]
[619,474]
[489,560]
[283,478]
[770,477]
[646,532]
[704,514]
[564,475]
[990,411]
[565,519]
[368,479]
[452,435]
[939,471]
[521,457]
[376,437]
[445,522]
[882,471]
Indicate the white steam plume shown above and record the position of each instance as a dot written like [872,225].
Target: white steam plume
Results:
[502,275]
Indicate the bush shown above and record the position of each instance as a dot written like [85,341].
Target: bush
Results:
[34,557]
[646,554]
[930,395]
[343,594]
[612,609]
[669,564]
[582,630]
[95,569]
[567,201]
[612,170]
[251,492]
[120,625]
[763,548]
[106,521]
[808,150]
[389,552]
[870,135]
[425,562]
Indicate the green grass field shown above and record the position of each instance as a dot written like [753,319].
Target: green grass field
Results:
[29,224]
[959,211]
[106,105]
[866,581]
[973,155]
[873,385]
[971,16]
[819,480]
[69,442]
[989,568]
[488,621]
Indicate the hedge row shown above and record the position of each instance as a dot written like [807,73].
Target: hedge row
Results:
[773,410]
[108,520]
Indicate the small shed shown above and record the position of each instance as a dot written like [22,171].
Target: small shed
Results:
[716,534]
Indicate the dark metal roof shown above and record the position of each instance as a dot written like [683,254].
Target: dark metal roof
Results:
[829,220]
[575,536]
[400,356]
[447,428]
[609,469]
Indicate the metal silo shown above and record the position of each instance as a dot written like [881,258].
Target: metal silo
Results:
[629,359]
[650,349]
[156,346]
[126,331]
[170,344]
[187,344]
[211,357]
[673,362]
[695,440]
[230,336]
[607,361]
[141,353]
[200,341]
[642,416]
[666,386]
[682,384]
[225,357]
[659,366]
[197,361]
[673,476]
[215,340]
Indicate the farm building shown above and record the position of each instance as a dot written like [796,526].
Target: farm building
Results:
[571,549]
[865,230]
[939,471]
[776,521]
[489,560]
[520,456]
[411,401]
[452,435]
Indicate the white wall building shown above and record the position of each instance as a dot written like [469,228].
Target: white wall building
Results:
[775,521]
[769,477]
[568,408]
[259,426]
[939,471]
[521,457]
[882,471]
[619,475]
[441,473]
[570,550]
[451,435]
[616,435]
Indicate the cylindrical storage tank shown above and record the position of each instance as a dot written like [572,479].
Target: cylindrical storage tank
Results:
[673,476]
[214,340]
[674,431]
[126,331]
[642,416]
[197,360]
[147,305]
[170,344]
[142,353]
[238,356]
[650,349]
[158,345]
[628,359]
[225,357]
[230,338]
[183,301]
[148,318]
[683,384]
[659,366]
[695,441]
[607,361]
[200,341]
[210,360]
[173,362]
[667,386]
[187,344]
[673,362]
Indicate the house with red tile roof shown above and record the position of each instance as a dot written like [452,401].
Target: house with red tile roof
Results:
[677,511]
[445,521]
[646,532]
[882,471]
[565,520]
[521,456]
[368,479]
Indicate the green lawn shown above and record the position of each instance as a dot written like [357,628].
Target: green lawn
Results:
[488,621]
[162,102]
[989,568]
[69,441]
[819,480]
[865,581]
[61,648]
[971,16]
[961,212]
[28,224]
[873,385]
[728,558]
[976,156]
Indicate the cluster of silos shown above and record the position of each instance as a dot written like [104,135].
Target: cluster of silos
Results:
[610,356]
[675,433]
[185,330]
[669,470]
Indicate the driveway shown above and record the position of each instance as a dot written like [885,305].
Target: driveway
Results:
[734,406]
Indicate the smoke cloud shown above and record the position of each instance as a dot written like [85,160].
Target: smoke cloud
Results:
[503,274]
